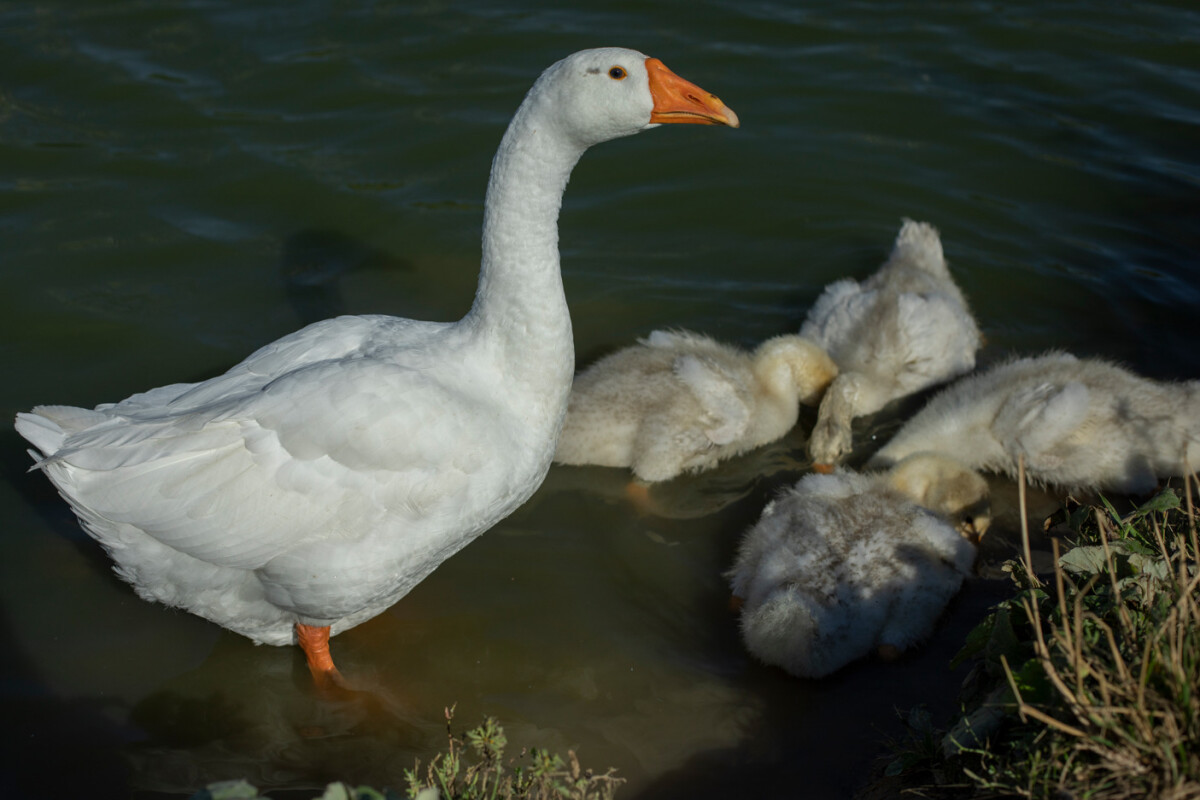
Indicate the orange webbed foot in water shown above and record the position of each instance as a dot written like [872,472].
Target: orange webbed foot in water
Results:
[331,687]
[314,641]
[638,494]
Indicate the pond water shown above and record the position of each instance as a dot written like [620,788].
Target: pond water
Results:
[183,182]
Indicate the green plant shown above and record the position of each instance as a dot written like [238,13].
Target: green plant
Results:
[542,776]
[1122,653]
[471,768]
[1085,684]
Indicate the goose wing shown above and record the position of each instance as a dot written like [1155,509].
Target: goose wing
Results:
[936,340]
[332,449]
[726,414]
[1034,420]
[836,315]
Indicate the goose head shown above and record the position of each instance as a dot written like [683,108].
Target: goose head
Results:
[596,95]
[947,487]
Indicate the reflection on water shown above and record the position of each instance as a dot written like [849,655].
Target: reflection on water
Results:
[180,184]
[248,712]
[692,496]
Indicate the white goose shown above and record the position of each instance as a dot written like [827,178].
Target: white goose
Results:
[1081,425]
[844,563]
[905,328]
[315,483]
[681,401]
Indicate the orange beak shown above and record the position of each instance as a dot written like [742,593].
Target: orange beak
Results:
[677,100]
[824,469]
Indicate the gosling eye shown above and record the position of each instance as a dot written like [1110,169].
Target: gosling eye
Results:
[617,73]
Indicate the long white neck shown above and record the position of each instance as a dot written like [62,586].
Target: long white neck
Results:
[520,311]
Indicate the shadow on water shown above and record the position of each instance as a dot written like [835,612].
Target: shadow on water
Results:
[819,738]
[41,496]
[57,747]
[314,260]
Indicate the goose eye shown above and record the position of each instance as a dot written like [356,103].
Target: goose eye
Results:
[617,73]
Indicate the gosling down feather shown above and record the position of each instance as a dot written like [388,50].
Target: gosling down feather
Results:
[905,328]
[844,564]
[1081,424]
[680,401]
[315,483]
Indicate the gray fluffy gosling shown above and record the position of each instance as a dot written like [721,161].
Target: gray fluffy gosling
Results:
[843,564]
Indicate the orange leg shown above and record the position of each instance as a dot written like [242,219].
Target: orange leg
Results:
[638,494]
[888,652]
[315,643]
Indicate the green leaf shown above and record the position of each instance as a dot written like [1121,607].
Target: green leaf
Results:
[1165,500]
[488,738]
[1084,560]
[1032,682]
[1154,567]
[1139,547]
[1091,559]
[1004,640]
[976,641]
[920,720]
[1079,517]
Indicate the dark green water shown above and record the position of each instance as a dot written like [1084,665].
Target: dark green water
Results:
[181,183]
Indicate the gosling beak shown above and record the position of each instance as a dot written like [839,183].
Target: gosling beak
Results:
[824,469]
[973,529]
[677,100]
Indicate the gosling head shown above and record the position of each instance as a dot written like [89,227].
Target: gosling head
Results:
[793,366]
[946,487]
[829,444]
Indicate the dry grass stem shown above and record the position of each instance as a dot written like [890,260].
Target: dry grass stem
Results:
[1105,678]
